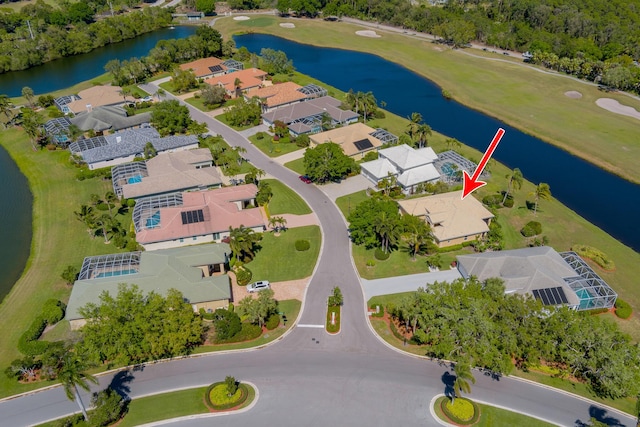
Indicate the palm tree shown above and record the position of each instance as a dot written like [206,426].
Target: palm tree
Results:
[239,150]
[515,180]
[32,124]
[5,108]
[388,230]
[414,120]
[124,91]
[452,142]
[367,100]
[85,215]
[27,92]
[543,192]
[71,374]
[422,131]
[242,241]
[160,93]
[237,83]
[462,370]
[110,198]
[282,222]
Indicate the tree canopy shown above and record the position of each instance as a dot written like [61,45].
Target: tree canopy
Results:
[328,162]
[169,117]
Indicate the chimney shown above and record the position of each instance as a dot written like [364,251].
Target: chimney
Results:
[118,139]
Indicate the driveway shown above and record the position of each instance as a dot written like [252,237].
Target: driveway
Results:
[394,285]
[347,186]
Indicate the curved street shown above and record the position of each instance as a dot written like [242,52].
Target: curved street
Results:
[309,377]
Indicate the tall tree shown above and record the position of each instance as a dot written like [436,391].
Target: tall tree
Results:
[462,370]
[327,162]
[543,192]
[422,132]
[514,181]
[5,108]
[242,241]
[258,309]
[28,94]
[72,373]
[388,230]
[414,121]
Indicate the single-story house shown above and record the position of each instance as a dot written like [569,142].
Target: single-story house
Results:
[277,95]
[197,271]
[191,218]
[93,97]
[123,147]
[186,170]
[452,220]
[251,78]
[307,117]
[554,278]
[410,166]
[356,139]
[206,67]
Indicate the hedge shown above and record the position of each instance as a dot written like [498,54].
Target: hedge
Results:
[242,388]
[532,228]
[28,343]
[492,200]
[243,275]
[248,332]
[623,309]
[596,255]
[381,255]
[302,245]
[272,322]
[53,311]
[457,247]
[454,418]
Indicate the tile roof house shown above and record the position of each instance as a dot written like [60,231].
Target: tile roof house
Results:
[249,79]
[196,271]
[96,96]
[277,95]
[306,117]
[112,118]
[180,171]
[409,165]
[123,147]
[206,67]
[195,217]
[551,277]
[356,139]
[452,220]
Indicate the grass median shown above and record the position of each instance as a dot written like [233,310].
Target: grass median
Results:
[521,95]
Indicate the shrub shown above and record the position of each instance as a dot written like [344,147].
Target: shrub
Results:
[532,228]
[53,311]
[131,202]
[260,135]
[206,315]
[336,297]
[598,311]
[492,200]
[302,245]
[371,263]
[454,248]
[463,411]
[248,332]
[272,322]
[227,324]
[381,255]
[379,114]
[596,255]
[508,203]
[216,396]
[109,407]
[28,343]
[623,309]
[243,275]
[303,140]
[102,206]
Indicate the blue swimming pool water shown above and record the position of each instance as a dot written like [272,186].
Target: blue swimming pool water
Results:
[154,221]
[585,298]
[115,273]
[134,179]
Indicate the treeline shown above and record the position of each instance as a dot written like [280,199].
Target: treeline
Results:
[477,323]
[56,34]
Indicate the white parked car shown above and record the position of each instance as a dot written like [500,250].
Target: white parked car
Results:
[258,286]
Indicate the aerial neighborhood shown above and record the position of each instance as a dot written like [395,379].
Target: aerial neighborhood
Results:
[209,199]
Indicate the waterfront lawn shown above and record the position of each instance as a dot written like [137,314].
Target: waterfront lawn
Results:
[297,166]
[299,264]
[271,148]
[521,95]
[59,239]
[285,200]
[96,81]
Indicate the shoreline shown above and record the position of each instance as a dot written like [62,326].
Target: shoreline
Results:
[573,150]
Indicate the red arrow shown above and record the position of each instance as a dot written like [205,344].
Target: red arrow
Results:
[471,184]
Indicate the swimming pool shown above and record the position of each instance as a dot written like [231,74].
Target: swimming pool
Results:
[586,300]
[153,221]
[115,273]
[134,179]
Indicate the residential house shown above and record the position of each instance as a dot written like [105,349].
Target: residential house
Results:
[198,272]
[93,97]
[187,170]
[125,146]
[555,279]
[356,139]
[195,217]
[206,67]
[453,220]
[410,166]
[309,116]
[246,80]
[277,95]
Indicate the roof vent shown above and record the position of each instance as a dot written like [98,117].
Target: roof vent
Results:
[118,139]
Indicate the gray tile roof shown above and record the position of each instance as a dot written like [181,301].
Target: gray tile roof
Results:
[310,108]
[109,117]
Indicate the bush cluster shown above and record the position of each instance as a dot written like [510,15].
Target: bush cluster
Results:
[492,200]
[28,343]
[381,255]
[463,411]
[243,275]
[109,407]
[597,311]
[227,324]
[248,332]
[242,390]
[53,311]
[272,322]
[596,255]
[623,309]
[532,228]
[508,203]
[260,135]
[457,247]
[302,245]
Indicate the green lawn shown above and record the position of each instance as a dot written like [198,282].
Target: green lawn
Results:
[518,94]
[223,118]
[335,328]
[298,265]
[198,103]
[165,406]
[297,166]
[271,148]
[285,200]
[350,201]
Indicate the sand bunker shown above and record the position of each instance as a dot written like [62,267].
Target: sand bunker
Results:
[241,18]
[615,107]
[367,33]
[573,94]
[288,25]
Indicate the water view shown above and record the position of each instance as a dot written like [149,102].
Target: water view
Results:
[405,92]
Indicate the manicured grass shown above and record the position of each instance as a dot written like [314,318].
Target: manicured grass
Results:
[223,118]
[99,80]
[218,395]
[490,416]
[59,239]
[285,200]
[272,148]
[198,103]
[297,166]
[350,201]
[168,87]
[289,308]
[335,328]
[165,406]
[298,265]
[519,94]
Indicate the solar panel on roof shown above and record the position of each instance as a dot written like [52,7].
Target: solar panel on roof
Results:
[363,144]
[192,217]
[550,296]
[216,68]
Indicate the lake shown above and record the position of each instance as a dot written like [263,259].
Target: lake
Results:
[604,199]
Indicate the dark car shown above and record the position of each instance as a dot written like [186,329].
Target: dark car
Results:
[305,179]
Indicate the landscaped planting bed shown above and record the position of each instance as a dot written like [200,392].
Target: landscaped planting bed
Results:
[217,399]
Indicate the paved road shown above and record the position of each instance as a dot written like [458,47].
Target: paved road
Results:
[309,377]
